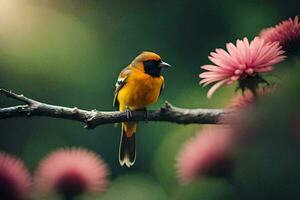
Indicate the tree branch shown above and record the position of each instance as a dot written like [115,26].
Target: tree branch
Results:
[93,118]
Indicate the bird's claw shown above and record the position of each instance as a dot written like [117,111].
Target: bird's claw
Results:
[128,113]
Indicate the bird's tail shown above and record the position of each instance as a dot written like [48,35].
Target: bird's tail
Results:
[127,152]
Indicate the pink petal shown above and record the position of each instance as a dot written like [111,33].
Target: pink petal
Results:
[214,88]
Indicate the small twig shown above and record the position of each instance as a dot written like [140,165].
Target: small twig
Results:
[19,97]
[91,119]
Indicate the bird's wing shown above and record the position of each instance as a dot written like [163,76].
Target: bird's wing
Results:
[124,74]
[162,85]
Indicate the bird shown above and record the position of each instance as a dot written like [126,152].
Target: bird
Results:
[138,85]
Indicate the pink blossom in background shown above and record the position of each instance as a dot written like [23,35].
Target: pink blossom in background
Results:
[206,154]
[71,171]
[242,101]
[247,98]
[287,33]
[241,62]
[15,181]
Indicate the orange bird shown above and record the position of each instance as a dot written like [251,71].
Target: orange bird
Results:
[138,85]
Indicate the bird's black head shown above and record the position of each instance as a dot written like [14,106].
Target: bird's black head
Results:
[153,67]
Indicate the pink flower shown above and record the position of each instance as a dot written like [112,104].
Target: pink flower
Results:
[247,98]
[241,63]
[287,33]
[71,172]
[209,153]
[15,182]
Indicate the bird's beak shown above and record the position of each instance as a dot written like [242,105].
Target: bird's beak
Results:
[164,64]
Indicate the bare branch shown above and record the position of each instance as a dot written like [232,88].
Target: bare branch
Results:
[91,119]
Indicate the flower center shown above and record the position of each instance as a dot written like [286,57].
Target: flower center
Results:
[71,183]
[9,187]
[242,73]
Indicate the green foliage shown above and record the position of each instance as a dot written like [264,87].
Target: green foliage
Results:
[165,156]
[207,189]
[135,187]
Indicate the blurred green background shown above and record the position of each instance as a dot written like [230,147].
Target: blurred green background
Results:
[70,52]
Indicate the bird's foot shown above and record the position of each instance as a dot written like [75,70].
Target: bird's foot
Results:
[128,113]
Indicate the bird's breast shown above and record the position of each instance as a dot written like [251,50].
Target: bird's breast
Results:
[141,90]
